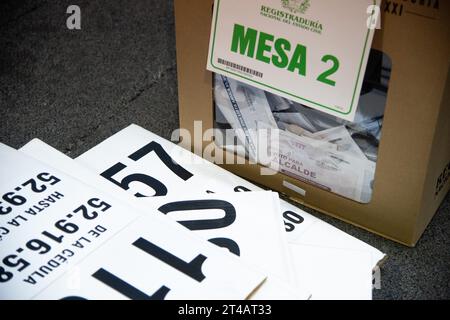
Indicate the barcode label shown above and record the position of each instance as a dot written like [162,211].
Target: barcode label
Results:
[240,68]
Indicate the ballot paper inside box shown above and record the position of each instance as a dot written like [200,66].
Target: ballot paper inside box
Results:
[385,171]
[308,145]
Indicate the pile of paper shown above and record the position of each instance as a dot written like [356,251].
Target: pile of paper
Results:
[138,217]
[310,145]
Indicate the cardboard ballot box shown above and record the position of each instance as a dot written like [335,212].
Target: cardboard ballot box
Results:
[413,156]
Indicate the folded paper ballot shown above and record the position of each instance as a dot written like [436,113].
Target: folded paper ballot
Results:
[135,152]
[52,224]
[331,166]
[243,107]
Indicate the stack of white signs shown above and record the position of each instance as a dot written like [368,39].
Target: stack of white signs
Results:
[138,217]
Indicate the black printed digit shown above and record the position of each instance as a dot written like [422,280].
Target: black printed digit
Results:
[14,199]
[226,207]
[34,186]
[292,218]
[226,243]
[5,276]
[88,215]
[164,157]
[207,224]
[192,269]
[98,204]
[13,261]
[67,227]
[94,203]
[241,189]
[47,177]
[39,246]
[4,210]
[158,187]
[127,289]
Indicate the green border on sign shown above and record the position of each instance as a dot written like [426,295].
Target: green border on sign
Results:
[285,92]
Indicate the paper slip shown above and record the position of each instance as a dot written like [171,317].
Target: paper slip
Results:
[310,161]
[306,121]
[244,107]
[51,221]
[135,141]
[248,225]
[341,138]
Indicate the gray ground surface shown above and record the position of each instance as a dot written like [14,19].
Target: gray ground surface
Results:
[73,89]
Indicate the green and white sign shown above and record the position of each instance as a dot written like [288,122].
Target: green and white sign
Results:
[314,52]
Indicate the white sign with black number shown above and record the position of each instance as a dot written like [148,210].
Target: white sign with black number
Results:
[149,261]
[119,152]
[51,221]
[48,221]
[203,177]
[248,225]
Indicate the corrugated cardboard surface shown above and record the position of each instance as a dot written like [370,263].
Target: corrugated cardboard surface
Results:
[414,147]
